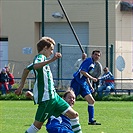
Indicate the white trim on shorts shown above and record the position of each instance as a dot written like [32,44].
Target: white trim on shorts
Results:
[66,110]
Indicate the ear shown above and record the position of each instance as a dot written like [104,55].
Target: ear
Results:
[45,48]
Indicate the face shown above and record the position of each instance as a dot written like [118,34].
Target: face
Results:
[105,69]
[96,56]
[70,98]
[49,51]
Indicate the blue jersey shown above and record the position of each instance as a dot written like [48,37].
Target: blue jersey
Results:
[60,124]
[87,66]
[79,83]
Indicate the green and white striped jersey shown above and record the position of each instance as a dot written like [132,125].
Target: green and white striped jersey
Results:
[44,86]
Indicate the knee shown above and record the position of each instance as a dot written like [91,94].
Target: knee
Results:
[108,88]
[92,101]
[72,114]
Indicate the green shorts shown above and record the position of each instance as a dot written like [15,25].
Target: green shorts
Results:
[51,107]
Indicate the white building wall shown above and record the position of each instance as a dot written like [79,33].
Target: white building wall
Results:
[124,40]
[20,24]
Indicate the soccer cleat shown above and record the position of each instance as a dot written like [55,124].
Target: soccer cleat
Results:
[94,123]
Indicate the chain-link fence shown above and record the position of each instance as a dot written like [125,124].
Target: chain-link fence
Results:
[64,67]
[124,86]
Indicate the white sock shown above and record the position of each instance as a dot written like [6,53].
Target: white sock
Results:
[32,129]
[76,125]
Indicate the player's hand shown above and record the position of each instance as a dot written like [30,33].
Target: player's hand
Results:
[95,79]
[18,91]
[57,55]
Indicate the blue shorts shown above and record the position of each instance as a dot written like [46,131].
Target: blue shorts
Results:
[79,89]
[59,130]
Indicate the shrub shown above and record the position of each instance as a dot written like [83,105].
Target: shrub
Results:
[115,97]
[13,96]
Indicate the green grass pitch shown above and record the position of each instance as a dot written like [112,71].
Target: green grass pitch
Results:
[115,117]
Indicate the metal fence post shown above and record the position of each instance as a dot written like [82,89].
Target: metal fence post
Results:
[59,72]
[43,4]
[111,58]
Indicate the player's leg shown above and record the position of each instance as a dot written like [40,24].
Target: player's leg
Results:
[86,93]
[74,119]
[35,127]
[41,115]
[62,107]
[89,98]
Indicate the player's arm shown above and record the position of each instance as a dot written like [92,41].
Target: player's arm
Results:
[23,78]
[88,76]
[41,64]
[106,76]
[89,83]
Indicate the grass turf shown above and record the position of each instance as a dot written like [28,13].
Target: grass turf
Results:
[116,117]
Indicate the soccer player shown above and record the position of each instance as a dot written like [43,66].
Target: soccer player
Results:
[82,86]
[44,93]
[62,123]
